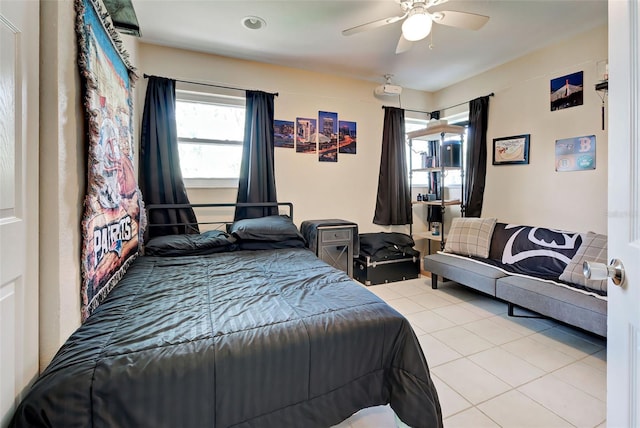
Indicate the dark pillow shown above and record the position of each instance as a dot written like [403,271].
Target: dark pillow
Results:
[213,241]
[273,228]
[270,245]
[372,243]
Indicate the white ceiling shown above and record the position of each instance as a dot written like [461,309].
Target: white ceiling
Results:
[306,34]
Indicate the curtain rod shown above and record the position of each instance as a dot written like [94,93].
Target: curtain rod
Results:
[460,104]
[204,84]
[445,108]
[408,109]
[418,111]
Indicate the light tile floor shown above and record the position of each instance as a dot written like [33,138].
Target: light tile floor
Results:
[492,370]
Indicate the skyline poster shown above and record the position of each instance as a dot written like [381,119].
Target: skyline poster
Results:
[306,136]
[347,137]
[327,136]
[283,132]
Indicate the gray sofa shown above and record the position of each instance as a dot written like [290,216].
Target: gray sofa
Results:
[578,306]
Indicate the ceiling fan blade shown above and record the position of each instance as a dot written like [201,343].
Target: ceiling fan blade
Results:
[469,21]
[403,45]
[372,25]
[431,3]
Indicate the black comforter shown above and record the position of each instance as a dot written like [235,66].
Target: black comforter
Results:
[272,338]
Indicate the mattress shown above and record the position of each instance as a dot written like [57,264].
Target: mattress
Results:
[264,338]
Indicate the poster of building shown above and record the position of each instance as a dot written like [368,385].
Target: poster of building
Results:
[283,132]
[306,135]
[327,136]
[567,91]
[347,132]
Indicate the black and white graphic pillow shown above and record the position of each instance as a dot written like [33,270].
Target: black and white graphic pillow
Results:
[535,251]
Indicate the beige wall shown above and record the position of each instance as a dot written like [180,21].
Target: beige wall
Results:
[532,194]
[62,175]
[536,194]
[345,189]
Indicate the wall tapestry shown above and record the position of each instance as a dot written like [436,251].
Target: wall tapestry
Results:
[113,219]
[576,154]
[327,136]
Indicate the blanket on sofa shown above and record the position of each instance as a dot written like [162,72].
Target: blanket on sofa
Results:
[533,251]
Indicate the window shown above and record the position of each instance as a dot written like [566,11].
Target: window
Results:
[414,158]
[210,134]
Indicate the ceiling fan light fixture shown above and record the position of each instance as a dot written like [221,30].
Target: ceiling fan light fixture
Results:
[417,26]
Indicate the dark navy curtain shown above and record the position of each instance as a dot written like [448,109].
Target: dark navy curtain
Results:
[476,156]
[393,203]
[160,175]
[257,178]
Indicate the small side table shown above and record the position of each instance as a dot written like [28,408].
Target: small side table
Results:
[334,241]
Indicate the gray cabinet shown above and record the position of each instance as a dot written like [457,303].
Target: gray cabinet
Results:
[333,241]
[335,246]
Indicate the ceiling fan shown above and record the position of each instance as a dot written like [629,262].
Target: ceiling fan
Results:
[419,21]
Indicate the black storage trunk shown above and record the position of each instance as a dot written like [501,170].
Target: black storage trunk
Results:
[369,271]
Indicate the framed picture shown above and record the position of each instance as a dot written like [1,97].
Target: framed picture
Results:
[511,150]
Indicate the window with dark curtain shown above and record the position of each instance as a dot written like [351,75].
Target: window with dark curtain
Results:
[393,203]
[160,175]
[476,157]
[257,178]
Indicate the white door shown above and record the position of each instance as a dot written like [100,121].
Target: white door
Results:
[19,57]
[623,341]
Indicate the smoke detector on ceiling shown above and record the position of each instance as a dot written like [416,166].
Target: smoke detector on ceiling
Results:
[388,89]
[253,22]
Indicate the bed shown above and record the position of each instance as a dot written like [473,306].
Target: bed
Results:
[244,328]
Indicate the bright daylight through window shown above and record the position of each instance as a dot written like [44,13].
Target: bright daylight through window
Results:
[414,158]
[210,134]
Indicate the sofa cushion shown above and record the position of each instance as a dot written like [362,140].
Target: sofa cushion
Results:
[593,249]
[464,271]
[470,236]
[555,301]
[533,251]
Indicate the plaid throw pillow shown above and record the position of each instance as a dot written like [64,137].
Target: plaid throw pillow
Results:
[470,236]
[593,249]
